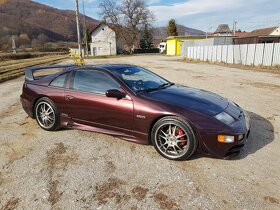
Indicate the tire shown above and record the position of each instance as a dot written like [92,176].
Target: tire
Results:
[174,138]
[46,114]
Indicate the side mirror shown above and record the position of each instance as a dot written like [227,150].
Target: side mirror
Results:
[114,93]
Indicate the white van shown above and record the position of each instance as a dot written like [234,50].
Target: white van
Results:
[162,47]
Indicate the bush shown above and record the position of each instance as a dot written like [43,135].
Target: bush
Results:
[142,51]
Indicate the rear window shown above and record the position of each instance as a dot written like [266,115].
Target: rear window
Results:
[59,81]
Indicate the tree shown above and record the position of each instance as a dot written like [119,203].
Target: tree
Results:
[128,18]
[172,28]
[146,40]
[87,38]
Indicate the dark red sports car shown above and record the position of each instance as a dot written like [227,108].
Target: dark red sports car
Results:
[135,104]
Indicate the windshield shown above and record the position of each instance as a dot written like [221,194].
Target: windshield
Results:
[139,79]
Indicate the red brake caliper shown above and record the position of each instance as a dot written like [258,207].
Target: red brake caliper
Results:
[180,133]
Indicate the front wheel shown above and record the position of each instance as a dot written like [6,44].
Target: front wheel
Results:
[174,138]
[46,114]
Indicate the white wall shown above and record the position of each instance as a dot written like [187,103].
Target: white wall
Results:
[267,54]
[103,41]
[276,32]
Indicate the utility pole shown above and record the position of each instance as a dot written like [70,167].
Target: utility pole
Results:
[14,49]
[234,27]
[85,30]
[208,31]
[78,28]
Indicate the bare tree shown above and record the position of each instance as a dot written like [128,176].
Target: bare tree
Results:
[128,18]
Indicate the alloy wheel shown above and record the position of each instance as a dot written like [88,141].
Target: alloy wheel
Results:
[45,115]
[172,140]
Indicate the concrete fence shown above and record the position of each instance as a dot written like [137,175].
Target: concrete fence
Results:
[267,54]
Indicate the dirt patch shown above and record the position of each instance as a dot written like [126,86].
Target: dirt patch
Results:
[111,166]
[57,159]
[271,199]
[110,190]
[16,152]
[264,85]
[11,110]
[11,204]
[139,192]
[54,195]
[165,202]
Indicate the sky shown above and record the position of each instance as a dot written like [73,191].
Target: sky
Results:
[205,15]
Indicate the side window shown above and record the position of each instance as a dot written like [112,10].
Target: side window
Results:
[59,81]
[93,82]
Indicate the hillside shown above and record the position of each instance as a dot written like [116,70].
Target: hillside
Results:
[39,26]
[160,33]
[34,23]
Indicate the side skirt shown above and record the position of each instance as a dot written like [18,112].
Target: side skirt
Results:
[139,138]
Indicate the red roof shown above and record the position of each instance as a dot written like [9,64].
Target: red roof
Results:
[240,34]
[261,32]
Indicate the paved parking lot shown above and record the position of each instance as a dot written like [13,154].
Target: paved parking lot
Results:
[72,169]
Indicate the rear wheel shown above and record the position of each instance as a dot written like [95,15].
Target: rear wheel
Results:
[174,138]
[46,114]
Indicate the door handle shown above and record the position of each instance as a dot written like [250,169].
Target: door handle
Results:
[68,98]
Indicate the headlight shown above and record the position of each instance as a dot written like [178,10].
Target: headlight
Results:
[225,118]
[247,119]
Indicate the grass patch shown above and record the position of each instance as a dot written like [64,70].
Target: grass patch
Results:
[16,69]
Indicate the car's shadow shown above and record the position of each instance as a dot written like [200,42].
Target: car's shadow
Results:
[262,133]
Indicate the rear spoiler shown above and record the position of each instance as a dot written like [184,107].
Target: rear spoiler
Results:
[29,71]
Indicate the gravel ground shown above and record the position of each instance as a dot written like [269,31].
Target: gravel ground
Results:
[72,169]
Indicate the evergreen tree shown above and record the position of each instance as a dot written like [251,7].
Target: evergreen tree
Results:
[172,28]
[146,40]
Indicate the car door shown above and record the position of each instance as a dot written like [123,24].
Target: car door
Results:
[88,103]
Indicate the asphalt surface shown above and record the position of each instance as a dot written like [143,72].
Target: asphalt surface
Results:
[73,169]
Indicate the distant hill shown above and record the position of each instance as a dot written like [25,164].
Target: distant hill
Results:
[160,33]
[38,26]
[33,23]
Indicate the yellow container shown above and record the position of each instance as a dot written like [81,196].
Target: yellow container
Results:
[173,44]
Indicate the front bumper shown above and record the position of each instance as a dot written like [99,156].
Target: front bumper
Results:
[211,146]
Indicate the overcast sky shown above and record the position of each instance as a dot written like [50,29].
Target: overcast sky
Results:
[205,15]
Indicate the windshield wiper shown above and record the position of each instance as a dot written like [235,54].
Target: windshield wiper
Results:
[164,85]
[168,84]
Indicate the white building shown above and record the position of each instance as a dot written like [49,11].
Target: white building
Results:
[103,41]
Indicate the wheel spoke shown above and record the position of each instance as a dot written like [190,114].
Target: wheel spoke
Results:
[169,130]
[178,147]
[52,118]
[163,145]
[183,140]
[175,149]
[174,130]
[45,122]
[163,132]
[49,112]
[178,137]
[163,137]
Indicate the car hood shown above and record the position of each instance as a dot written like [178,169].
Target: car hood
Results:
[191,98]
